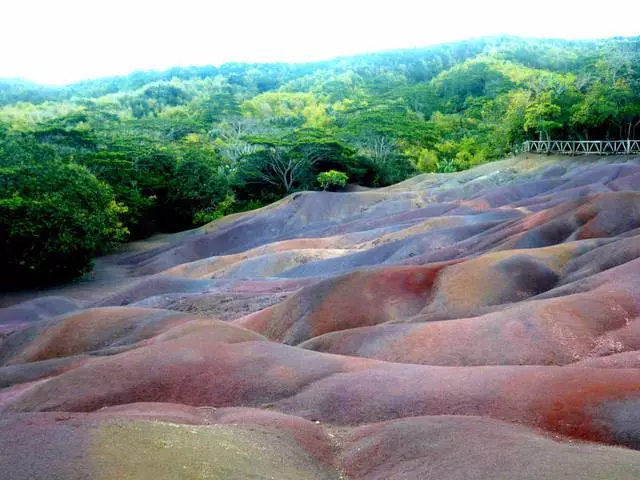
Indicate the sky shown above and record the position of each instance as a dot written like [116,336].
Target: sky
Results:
[62,41]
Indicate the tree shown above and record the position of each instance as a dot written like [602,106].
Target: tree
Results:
[608,105]
[384,134]
[229,137]
[474,78]
[393,122]
[200,184]
[288,109]
[54,218]
[215,107]
[276,166]
[18,148]
[626,115]
[332,178]
[542,115]
[289,161]
[593,110]
[421,99]
[427,161]
[127,183]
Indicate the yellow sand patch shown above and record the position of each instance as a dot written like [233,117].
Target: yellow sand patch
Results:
[429,225]
[475,282]
[157,450]
[275,261]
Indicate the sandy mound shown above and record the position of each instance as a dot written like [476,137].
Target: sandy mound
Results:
[480,325]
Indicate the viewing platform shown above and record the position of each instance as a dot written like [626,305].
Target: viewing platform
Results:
[582,147]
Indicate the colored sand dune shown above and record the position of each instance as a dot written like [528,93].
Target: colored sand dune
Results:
[475,325]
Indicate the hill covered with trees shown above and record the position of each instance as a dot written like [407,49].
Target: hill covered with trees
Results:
[88,165]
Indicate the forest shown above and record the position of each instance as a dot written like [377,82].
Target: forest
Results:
[87,166]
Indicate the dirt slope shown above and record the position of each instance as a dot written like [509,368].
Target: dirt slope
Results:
[478,325]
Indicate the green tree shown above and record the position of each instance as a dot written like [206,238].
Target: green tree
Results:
[200,185]
[333,179]
[542,116]
[127,182]
[19,148]
[54,218]
[288,162]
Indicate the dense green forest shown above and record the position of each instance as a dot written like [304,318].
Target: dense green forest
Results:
[86,166]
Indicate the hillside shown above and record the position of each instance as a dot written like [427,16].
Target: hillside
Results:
[470,325]
[90,165]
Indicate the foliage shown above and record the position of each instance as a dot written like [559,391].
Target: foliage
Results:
[54,218]
[288,162]
[200,186]
[127,182]
[332,178]
[427,161]
[211,213]
[449,165]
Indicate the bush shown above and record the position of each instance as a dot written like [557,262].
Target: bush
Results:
[199,189]
[139,173]
[427,161]
[54,218]
[225,207]
[450,165]
[332,179]
[127,183]
[394,170]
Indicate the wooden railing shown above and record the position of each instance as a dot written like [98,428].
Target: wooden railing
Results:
[583,147]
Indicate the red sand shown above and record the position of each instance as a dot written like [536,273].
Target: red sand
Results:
[474,325]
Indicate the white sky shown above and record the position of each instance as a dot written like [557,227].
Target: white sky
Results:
[60,41]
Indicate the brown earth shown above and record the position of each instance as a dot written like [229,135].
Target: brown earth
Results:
[478,325]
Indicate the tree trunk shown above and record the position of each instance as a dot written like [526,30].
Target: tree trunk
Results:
[635,125]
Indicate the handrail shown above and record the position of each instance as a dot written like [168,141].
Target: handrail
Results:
[582,147]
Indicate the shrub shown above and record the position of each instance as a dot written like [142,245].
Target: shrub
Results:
[449,165]
[198,189]
[210,214]
[427,161]
[54,218]
[332,179]
[127,184]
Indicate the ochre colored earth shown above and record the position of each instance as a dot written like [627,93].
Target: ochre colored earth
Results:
[478,325]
